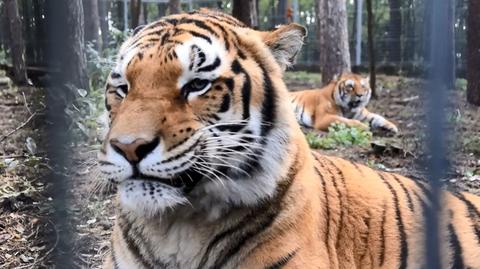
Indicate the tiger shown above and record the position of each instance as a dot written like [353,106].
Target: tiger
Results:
[212,169]
[342,100]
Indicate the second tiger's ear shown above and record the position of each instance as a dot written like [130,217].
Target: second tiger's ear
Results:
[285,42]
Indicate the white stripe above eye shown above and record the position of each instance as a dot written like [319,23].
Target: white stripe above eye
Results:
[350,82]
[211,53]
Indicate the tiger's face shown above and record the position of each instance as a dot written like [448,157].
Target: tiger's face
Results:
[195,112]
[352,91]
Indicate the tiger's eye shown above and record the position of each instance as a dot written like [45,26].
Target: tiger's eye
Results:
[198,84]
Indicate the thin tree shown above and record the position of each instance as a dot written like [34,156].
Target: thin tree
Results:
[333,38]
[409,31]
[77,74]
[174,6]
[371,49]
[354,28]
[17,43]
[450,42]
[66,42]
[281,17]
[246,12]
[103,9]
[161,9]
[473,52]
[92,23]
[394,32]
[135,6]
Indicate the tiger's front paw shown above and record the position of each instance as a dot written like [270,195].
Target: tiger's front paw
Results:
[390,127]
[381,123]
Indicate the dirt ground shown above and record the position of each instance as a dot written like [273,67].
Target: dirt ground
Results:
[29,236]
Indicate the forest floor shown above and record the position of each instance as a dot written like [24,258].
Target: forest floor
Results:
[29,235]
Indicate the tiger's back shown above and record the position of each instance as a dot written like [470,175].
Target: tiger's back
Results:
[377,219]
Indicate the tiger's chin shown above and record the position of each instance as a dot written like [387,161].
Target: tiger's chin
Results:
[150,196]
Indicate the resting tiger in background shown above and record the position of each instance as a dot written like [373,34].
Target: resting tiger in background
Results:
[343,100]
[213,171]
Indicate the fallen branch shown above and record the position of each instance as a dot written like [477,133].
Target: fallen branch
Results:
[18,128]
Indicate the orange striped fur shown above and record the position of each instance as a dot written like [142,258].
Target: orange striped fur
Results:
[213,170]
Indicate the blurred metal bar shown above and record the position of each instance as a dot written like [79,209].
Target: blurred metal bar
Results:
[436,96]
[58,138]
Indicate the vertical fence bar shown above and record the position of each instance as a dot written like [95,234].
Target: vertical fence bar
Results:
[58,138]
[436,96]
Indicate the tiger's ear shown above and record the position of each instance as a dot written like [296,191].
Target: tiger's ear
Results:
[367,79]
[336,77]
[285,43]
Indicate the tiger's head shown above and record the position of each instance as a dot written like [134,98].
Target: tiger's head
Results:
[352,91]
[199,114]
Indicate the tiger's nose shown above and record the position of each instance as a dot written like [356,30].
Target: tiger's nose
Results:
[135,151]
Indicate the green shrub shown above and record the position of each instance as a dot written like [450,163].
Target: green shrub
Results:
[461,84]
[339,135]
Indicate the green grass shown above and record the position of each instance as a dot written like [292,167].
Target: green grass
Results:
[339,135]
[461,84]
[313,78]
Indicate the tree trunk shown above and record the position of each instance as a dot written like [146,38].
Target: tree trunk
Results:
[119,22]
[92,23]
[103,8]
[333,37]
[246,12]
[451,76]
[66,42]
[17,43]
[473,52]
[135,6]
[427,18]
[162,10]
[409,32]
[371,49]
[354,28]
[174,7]
[144,14]
[281,11]
[394,32]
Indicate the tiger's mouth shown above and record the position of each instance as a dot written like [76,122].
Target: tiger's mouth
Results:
[186,179]
[354,104]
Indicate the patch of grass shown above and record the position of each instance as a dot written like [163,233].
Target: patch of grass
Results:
[3,56]
[461,84]
[339,135]
[472,145]
[312,78]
